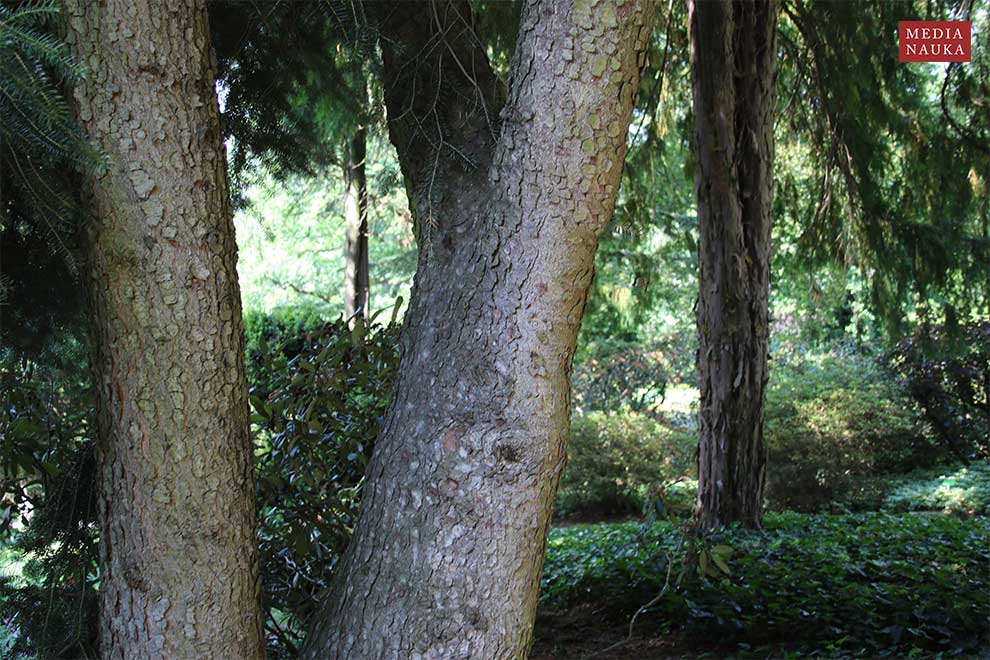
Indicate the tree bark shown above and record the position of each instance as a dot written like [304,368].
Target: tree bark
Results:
[734,62]
[356,281]
[178,554]
[446,557]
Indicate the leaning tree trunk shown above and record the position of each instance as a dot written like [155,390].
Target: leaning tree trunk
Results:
[356,282]
[446,557]
[733,58]
[178,557]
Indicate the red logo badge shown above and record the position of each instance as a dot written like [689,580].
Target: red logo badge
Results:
[935,41]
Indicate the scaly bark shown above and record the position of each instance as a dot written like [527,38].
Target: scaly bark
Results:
[508,201]
[356,280]
[734,62]
[178,555]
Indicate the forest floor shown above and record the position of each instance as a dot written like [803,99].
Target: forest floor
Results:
[589,632]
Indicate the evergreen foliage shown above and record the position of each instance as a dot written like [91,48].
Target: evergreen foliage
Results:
[41,150]
[48,501]
[894,188]
[293,80]
[35,120]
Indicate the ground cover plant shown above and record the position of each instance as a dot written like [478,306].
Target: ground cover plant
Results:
[861,584]
[959,488]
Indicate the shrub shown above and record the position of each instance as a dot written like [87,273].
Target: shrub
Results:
[319,391]
[51,601]
[948,375]
[615,461]
[317,414]
[272,339]
[48,502]
[866,584]
[832,419]
[619,377]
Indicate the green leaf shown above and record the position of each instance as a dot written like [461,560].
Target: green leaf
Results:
[357,334]
[395,309]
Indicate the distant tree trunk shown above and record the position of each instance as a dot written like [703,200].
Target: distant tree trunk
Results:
[446,557]
[356,282]
[734,63]
[178,554]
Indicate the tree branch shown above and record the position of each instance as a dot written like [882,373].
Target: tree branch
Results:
[294,287]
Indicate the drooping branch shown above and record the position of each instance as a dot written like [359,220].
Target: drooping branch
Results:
[972,139]
[292,286]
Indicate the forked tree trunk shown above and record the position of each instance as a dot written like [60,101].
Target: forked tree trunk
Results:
[356,281]
[446,557]
[734,63]
[178,558]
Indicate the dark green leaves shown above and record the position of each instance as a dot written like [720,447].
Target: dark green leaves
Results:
[319,392]
[868,584]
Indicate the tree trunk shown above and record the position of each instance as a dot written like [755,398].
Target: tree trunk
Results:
[733,58]
[446,557]
[178,554]
[356,283]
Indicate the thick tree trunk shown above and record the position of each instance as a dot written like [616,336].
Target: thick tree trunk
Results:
[446,557]
[734,63]
[356,283]
[178,558]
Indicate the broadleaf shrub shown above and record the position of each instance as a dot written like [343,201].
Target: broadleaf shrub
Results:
[318,393]
[833,419]
[272,339]
[948,375]
[617,461]
[51,602]
[48,502]
[317,408]
[619,377]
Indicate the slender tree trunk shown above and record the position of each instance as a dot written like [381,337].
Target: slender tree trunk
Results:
[734,63]
[356,283]
[446,557]
[178,555]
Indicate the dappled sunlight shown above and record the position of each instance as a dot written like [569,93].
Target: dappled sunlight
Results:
[325,325]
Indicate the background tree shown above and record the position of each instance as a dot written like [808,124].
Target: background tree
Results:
[733,57]
[171,397]
[357,293]
[297,102]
